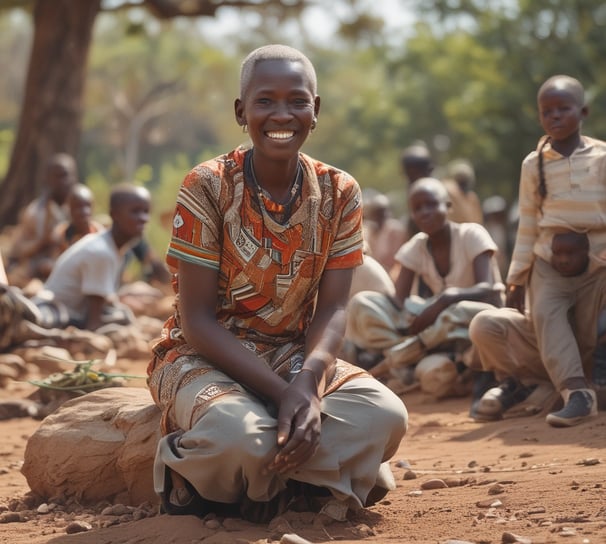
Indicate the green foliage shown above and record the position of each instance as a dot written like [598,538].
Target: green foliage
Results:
[159,96]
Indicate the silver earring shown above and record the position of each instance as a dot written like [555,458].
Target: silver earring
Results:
[245,128]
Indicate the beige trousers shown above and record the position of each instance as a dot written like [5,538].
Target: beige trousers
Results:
[375,323]
[224,451]
[554,343]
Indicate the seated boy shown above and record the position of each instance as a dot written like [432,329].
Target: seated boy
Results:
[33,249]
[456,261]
[80,202]
[506,343]
[82,288]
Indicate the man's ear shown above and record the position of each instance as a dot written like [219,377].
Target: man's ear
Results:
[239,112]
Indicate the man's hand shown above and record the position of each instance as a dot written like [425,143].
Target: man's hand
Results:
[299,423]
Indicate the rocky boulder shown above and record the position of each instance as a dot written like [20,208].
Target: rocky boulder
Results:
[97,447]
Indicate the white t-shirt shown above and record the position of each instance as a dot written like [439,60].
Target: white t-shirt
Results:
[91,266]
[467,241]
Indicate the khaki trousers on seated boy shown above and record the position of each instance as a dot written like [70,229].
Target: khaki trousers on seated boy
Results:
[374,322]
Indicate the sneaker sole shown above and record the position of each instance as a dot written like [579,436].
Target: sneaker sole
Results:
[556,421]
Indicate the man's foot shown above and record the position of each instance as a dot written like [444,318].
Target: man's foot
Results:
[579,405]
[497,400]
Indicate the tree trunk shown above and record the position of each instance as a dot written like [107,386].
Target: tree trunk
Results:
[52,103]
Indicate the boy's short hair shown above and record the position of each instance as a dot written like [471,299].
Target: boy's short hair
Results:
[571,84]
[120,193]
[433,185]
[275,52]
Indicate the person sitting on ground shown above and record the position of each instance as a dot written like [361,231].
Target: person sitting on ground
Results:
[457,262]
[257,410]
[80,202]
[506,343]
[561,189]
[82,287]
[33,250]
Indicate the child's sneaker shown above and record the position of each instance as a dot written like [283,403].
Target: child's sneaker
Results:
[497,400]
[579,405]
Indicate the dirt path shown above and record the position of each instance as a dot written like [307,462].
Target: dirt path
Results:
[513,477]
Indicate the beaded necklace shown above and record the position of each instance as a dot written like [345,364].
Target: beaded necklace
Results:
[264,197]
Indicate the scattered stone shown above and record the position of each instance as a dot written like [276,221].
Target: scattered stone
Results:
[410,475]
[489,503]
[456,482]
[537,510]
[589,462]
[119,510]
[10,517]
[78,527]
[336,510]
[525,455]
[279,526]
[212,524]
[292,538]
[16,408]
[472,464]
[434,483]
[415,493]
[511,538]
[402,463]
[496,489]
[362,530]
[567,531]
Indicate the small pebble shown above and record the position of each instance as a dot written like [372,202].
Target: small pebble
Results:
[589,462]
[10,517]
[212,524]
[490,503]
[496,489]
[292,538]
[434,483]
[511,538]
[78,527]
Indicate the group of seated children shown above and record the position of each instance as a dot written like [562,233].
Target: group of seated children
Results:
[79,262]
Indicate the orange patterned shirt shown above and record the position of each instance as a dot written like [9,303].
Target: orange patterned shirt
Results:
[269,271]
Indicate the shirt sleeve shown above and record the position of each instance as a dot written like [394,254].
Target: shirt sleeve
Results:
[197,221]
[347,249]
[523,251]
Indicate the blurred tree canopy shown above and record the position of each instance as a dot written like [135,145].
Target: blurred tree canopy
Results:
[159,93]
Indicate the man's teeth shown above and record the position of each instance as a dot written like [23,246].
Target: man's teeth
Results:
[281,135]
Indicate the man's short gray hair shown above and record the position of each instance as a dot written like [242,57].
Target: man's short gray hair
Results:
[275,52]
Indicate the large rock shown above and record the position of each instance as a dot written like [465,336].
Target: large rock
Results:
[97,447]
